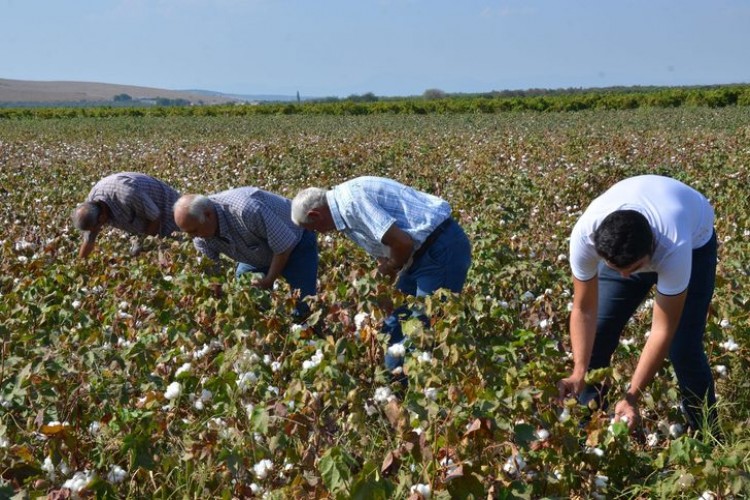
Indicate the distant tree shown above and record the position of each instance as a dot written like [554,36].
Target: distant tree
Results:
[122,98]
[368,97]
[434,94]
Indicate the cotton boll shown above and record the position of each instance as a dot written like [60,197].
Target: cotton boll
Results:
[421,489]
[262,468]
[116,474]
[397,350]
[675,430]
[173,391]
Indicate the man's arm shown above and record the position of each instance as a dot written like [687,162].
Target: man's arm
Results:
[582,333]
[87,246]
[401,246]
[666,317]
[278,263]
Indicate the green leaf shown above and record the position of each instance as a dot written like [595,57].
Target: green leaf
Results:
[335,468]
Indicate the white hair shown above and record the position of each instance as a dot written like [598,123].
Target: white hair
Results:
[86,215]
[306,200]
[196,206]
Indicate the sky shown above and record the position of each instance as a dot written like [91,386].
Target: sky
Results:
[323,48]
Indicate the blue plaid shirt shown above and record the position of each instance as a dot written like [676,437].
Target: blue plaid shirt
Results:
[253,226]
[134,200]
[365,208]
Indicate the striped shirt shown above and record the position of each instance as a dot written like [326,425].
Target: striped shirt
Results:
[136,199]
[253,226]
[365,208]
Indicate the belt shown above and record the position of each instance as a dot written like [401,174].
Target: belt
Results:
[434,235]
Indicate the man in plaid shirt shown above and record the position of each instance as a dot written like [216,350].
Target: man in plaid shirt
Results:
[134,202]
[254,228]
[410,233]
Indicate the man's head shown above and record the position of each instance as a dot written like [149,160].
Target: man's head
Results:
[195,215]
[624,240]
[310,210]
[90,216]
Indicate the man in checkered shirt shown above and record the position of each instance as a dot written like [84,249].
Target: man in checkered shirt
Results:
[136,203]
[254,228]
[410,233]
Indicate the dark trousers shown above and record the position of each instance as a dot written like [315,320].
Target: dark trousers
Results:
[618,299]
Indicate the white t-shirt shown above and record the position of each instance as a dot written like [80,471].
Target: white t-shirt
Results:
[680,217]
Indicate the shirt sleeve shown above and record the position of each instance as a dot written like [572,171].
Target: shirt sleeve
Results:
[584,260]
[674,271]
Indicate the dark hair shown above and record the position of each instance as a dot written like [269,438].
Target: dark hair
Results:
[86,215]
[624,237]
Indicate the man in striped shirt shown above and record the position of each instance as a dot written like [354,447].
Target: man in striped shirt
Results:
[254,228]
[410,233]
[136,203]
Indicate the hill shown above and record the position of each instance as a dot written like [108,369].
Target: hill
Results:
[24,92]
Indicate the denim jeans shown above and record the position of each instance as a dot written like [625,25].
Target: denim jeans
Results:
[445,264]
[301,270]
[618,299]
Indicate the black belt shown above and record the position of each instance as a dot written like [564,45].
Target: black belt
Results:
[434,235]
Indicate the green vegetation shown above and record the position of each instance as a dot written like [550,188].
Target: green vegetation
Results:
[145,378]
[433,101]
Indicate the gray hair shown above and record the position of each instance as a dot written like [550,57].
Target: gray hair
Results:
[196,206]
[86,215]
[306,200]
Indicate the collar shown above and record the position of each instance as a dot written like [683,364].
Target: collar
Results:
[333,206]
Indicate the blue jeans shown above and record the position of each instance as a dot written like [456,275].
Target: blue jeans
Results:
[445,264]
[301,271]
[618,299]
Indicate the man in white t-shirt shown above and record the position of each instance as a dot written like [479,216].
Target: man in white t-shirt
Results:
[644,231]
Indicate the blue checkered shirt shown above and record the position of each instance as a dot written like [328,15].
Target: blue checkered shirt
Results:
[253,226]
[365,208]
[136,199]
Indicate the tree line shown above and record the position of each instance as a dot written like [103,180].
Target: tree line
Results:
[432,101]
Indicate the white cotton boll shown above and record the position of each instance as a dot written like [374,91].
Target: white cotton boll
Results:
[76,304]
[542,434]
[514,464]
[116,474]
[275,366]
[503,304]
[203,351]
[564,415]
[725,323]
[79,481]
[249,409]
[627,342]
[123,305]
[721,370]
[397,350]
[707,495]
[545,323]
[255,488]
[652,439]
[94,428]
[730,344]
[370,409]
[245,380]
[185,368]
[595,451]
[431,393]
[424,357]
[49,468]
[421,489]
[296,328]
[262,468]
[569,307]
[273,390]
[4,442]
[173,391]
[527,296]
[562,257]
[675,430]
[361,319]
[267,359]
[382,394]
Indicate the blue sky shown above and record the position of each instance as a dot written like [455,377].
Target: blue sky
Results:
[388,47]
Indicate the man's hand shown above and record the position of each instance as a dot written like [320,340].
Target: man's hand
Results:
[263,283]
[570,386]
[387,268]
[627,409]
